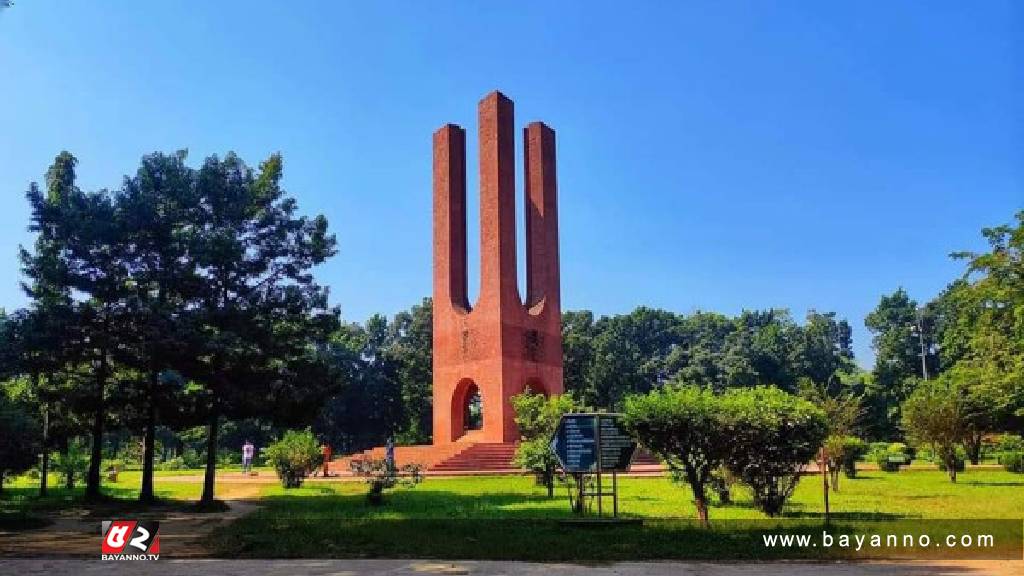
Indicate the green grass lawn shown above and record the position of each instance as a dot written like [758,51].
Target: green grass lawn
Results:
[511,518]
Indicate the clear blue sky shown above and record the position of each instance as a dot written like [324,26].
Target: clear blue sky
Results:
[718,156]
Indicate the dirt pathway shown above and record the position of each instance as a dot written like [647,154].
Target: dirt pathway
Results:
[75,532]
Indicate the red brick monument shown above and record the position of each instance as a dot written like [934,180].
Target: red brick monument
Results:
[487,352]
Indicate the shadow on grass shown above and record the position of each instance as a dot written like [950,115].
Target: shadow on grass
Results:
[21,508]
[983,483]
[413,504]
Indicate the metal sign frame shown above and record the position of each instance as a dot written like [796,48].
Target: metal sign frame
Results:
[598,471]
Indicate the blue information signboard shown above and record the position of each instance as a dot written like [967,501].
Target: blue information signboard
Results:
[591,443]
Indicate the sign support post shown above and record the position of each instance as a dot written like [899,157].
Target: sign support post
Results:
[594,444]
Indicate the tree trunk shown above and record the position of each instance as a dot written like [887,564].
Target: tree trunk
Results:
[549,480]
[92,480]
[972,445]
[44,469]
[149,442]
[211,453]
[69,480]
[700,498]
[701,501]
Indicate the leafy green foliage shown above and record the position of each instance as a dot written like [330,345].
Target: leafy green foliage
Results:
[294,456]
[935,414]
[853,449]
[772,435]
[380,475]
[1012,461]
[72,462]
[19,440]
[682,425]
[537,416]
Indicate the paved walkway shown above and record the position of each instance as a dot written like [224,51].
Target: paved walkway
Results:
[168,566]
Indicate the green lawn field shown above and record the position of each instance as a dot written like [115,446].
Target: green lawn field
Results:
[509,517]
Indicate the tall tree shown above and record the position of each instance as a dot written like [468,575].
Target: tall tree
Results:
[899,328]
[995,297]
[158,208]
[631,355]
[411,349]
[260,311]
[45,330]
[578,333]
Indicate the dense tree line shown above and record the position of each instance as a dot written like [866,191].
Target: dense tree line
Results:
[183,296]
[612,356]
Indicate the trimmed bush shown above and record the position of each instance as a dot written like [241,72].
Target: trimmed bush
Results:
[1010,443]
[890,457]
[771,436]
[294,456]
[1012,461]
[853,450]
[683,426]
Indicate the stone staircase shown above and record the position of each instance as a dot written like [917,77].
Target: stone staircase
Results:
[480,458]
[470,457]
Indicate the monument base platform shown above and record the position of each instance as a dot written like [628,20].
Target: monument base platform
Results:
[463,457]
[469,457]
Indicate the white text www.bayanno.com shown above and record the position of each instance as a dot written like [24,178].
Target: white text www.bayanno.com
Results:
[877,541]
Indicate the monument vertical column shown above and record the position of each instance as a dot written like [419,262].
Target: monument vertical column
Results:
[541,192]
[498,285]
[450,271]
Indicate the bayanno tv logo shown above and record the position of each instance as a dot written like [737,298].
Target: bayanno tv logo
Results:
[130,540]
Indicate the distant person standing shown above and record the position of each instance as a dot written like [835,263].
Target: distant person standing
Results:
[247,451]
[389,453]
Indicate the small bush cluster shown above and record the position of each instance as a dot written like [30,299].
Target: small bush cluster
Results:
[763,436]
[890,457]
[853,450]
[294,456]
[1012,461]
[1010,452]
[382,475]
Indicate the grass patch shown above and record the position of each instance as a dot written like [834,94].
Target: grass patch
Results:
[511,518]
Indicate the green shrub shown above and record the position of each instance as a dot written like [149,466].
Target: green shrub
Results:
[294,456]
[890,457]
[1012,461]
[853,450]
[381,476]
[537,416]
[683,426]
[1010,443]
[771,437]
[176,463]
[72,463]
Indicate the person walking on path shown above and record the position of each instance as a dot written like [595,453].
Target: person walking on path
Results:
[247,451]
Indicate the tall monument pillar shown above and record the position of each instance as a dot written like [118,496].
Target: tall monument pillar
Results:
[487,352]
